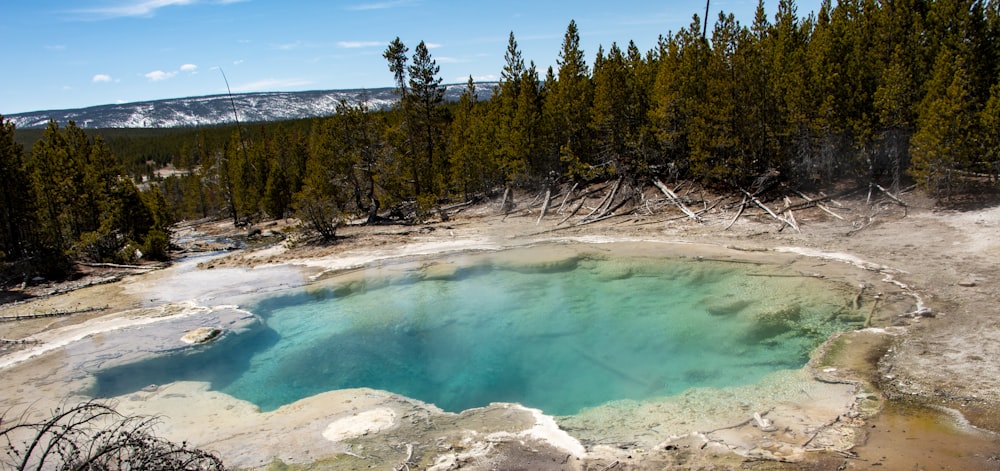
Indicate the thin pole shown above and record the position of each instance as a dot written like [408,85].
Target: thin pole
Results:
[239,132]
[232,101]
[704,29]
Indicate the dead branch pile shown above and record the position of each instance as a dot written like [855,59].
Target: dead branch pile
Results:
[93,436]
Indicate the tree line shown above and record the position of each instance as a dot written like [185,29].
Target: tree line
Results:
[876,91]
[70,199]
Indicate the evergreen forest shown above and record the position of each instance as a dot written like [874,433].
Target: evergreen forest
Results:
[876,92]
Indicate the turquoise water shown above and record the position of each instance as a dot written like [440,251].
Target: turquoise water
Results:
[560,336]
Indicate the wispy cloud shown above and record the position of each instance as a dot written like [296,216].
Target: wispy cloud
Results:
[140,8]
[433,45]
[298,44]
[380,5]
[359,44]
[101,78]
[159,75]
[189,68]
[271,85]
[478,79]
[288,46]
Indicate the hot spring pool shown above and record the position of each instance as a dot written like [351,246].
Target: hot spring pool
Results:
[555,329]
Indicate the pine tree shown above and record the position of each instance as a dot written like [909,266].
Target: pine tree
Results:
[395,53]
[712,133]
[528,131]
[946,135]
[567,108]
[990,122]
[472,171]
[509,153]
[16,199]
[361,148]
[53,187]
[756,103]
[669,112]
[425,98]
[829,136]
[611,112]
[680,113]
[322,202]
[640,138]
[900,51]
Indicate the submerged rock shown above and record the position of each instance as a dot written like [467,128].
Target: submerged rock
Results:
[773,323]
[201,335]
[727,307]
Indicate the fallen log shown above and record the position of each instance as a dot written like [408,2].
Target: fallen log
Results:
[741,424]
[605,215]
[768,210]
[823,198]
[605,200]
[566,198]
[819,430]
[19,341]
[545,206]
[583,200]
[575,210]
[871,313]
[743,205]
[456,206]
[503,201]
[114,265]
[25,317]
[673,197]
[816,203]
[892,197]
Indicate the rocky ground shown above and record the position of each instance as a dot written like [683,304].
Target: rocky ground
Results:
[918,391]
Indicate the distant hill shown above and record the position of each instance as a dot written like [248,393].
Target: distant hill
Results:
[218,109]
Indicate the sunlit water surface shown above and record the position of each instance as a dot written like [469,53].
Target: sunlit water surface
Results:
[559,335]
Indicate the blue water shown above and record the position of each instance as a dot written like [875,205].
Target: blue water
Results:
[566,336]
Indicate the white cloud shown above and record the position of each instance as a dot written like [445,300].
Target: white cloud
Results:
[142,8]
[432,45]
[288,46]
[299,44]
[238,61]
[158,75]
[145,8]
[479,79]
[358,44]
[380,5]
[189,68]
[101,78]
[271,85]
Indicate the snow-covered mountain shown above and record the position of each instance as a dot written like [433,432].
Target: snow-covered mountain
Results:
[218,109]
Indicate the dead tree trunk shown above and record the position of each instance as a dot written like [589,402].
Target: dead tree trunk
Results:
[545,206]
[566,198]
[768,210]
[673,198]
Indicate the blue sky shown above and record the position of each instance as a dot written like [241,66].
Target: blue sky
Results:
[75,53]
